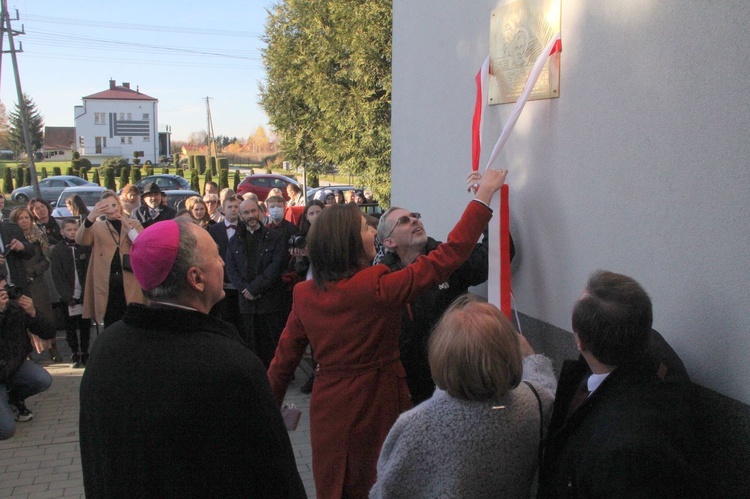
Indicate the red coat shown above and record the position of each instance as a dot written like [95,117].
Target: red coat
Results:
[360,387]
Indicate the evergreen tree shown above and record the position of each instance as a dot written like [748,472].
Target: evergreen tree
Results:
[195,181]
[35,124]
[19,177]
[328,87]
[236,180]
[8,181]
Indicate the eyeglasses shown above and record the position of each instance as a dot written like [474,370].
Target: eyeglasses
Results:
[404,220]
[211,202]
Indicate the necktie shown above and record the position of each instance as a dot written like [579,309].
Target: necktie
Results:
[232,226]
[580,396]
[154,213]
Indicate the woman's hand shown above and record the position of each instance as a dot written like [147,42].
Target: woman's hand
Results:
[490,183]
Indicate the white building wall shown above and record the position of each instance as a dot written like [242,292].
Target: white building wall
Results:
[641,165]
[86,127]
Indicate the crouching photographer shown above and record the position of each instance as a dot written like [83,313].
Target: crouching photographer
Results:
[19,378]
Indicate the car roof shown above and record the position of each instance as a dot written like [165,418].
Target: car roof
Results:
[80,188]
[161,175]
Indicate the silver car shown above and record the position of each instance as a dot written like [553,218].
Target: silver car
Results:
[50,187]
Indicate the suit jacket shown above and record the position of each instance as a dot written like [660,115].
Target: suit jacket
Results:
[103,239]
[161,416]
[65,266]
[143,215]
[632,437]
[218,232]
[354,326]
[14,259]
[259,273]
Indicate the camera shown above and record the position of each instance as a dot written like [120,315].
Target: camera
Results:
[14,292]
[298,242]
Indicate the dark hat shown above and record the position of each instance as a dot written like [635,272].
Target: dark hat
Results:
[151,188]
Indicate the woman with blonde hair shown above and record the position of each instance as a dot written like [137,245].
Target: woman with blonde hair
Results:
[199,211]
[35,286]
[480,433]
[110,283]
[350,314]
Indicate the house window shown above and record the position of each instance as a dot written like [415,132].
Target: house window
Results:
[100,143]
[130,140]
[100,119]
[146,138]
[80,142]
[145,116]
[130,116]
[122,116]
[122,140]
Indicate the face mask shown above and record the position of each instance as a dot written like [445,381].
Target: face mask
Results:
[276,213]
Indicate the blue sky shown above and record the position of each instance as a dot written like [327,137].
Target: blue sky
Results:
[176,51]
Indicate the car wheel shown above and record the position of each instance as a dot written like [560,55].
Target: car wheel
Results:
[22,198]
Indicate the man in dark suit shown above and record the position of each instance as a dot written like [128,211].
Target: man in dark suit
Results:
[256,259]
[621,425]
[152,210]
[222,232]
[13,249]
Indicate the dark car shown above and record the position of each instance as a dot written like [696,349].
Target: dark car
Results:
[50,187]
[262,183]
[165,182]
[372,208]
[176,197]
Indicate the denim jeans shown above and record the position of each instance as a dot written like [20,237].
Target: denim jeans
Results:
[28,380]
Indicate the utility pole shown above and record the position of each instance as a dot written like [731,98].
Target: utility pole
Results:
[210,139]
[5,27]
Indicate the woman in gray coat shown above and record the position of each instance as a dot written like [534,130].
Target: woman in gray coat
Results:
[479,434]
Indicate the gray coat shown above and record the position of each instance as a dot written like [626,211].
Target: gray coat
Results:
[447,447]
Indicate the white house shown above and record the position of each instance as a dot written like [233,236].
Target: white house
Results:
[118,122]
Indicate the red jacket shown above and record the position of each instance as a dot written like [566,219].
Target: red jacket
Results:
[353,326]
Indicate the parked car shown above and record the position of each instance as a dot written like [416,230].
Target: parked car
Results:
[50,187]
[89,193]
[176,197]
[164,181]
[317,193]
[262,183]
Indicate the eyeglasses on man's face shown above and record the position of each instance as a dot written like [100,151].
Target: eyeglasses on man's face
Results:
[404,220]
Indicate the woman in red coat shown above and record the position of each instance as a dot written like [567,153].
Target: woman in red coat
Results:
[351,315]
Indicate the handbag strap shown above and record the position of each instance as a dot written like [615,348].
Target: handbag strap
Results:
[541,424]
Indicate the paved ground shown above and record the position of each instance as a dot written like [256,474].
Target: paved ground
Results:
[43,458]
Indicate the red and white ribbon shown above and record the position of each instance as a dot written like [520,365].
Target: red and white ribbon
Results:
[554,45]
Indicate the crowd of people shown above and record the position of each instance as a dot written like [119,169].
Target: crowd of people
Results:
[419,389]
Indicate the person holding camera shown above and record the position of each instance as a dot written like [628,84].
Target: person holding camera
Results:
[69,262]
[14,249]
[109,280]
[20,378]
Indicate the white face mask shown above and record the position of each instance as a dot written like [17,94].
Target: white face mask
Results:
[276,213]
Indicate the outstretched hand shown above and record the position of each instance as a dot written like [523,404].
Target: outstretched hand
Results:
[488,184]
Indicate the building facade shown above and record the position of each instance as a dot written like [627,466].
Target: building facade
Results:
[119,122]
[640,167]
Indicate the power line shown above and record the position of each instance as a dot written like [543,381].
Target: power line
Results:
[141,27]
[105,42]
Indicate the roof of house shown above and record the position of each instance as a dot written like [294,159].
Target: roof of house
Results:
[120,92]
[59,137]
